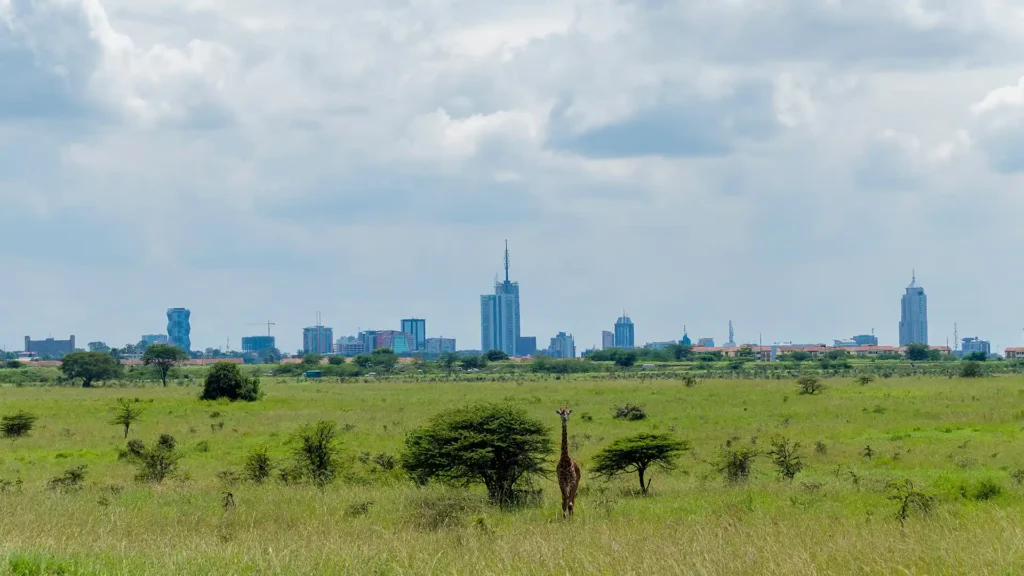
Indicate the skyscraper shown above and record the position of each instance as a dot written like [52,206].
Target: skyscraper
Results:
[624,332]
[317,339]
[499,316]
[914,315]
[179,329]
[418,328]
[607,340]
[562,346]
[732,337]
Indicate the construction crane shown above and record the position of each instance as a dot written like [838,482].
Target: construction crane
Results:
[268,324]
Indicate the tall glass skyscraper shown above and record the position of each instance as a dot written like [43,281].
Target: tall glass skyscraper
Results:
[499,316]
[418,328]
[179,329]
[914,315]
[624,333]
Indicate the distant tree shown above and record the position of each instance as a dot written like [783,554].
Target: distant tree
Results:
[473,363]
[496,445]
[129,349]
[13,364]
[313,358]
[225,380]
[336,360]
[90,367]
[18,424]
[798,356]
[384,360]
[809,385]
[164,357]
[917,352]
[625,358]
[636,454]
[127,412]
[971,369]
[978,356]
[785,454]
[364,361]
[98,347]
[142,346]
[681,351]
[496,355]
[269,355]
[745,352]
[836,354]
[448,361]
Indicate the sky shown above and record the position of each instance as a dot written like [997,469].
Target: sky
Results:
[784,164]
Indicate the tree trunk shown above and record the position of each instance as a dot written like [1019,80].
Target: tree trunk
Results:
[643,487]
[86,383]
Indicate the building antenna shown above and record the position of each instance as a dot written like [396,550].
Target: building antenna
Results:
[506,261]
[956,339]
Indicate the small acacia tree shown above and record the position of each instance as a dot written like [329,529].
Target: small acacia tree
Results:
[18,424]
[490,444]
[786,456]
[809,385]
[164,357]
[127,412]
[638,454]
[90,367]
[225,380]
[316,456]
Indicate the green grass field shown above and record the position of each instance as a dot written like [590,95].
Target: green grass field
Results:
[947,436]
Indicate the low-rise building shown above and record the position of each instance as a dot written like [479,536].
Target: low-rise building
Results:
[50,348]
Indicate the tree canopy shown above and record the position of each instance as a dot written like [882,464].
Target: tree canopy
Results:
[225,380]
[90,367]
[917,352]
[636,454]
[164,357]
[491,444]
[496,355]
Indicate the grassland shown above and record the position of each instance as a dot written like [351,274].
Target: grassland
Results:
[948,436]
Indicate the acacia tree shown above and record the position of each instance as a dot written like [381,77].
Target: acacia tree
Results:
[164,357]
[90,367]
[128,411]
[490,444]
[636,454]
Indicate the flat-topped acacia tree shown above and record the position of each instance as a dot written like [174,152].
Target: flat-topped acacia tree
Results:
[164,357]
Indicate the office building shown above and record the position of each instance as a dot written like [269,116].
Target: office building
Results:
[49,348]
[914,315]
[179,329]
[859,340]
[438,346]
[562,346]
[151,339]
[624,332]
[258,343]
[527,346]
[395,340]
[499,316]
[350,346]
[418,328]
[607,340]
[706,343]
[317,340]
[686,339]
[971,345]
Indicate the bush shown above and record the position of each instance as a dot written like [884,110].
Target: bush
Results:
[71,479]
[865,379]
[496,445]
[630,412]
[689,380]
[336,360]
[13,364]
[637,454]
[735,463]
[496,356]
[786,457]
[971,369]
[154,464]
[316,457]
[258,465]
[986,490]
[809,385]
[128,411]
[909,499]
[225,380]
[17,425]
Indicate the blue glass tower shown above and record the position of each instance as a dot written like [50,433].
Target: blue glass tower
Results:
[178,328]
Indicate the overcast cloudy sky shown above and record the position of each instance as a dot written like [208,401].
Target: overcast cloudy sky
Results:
[781,163]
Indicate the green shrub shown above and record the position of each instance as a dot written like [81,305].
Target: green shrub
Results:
[316,456]
[258,465]
[225,380]
[971,369]
[154,464]
[71,479]
[736,462]
[630,412]
[17,425]
[809,385]
[786,457]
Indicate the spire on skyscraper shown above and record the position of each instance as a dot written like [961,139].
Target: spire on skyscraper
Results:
[506,261]
[913,278]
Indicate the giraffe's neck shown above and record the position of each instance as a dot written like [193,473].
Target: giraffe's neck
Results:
[565,440]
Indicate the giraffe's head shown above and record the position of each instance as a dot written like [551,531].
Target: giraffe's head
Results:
[564,412]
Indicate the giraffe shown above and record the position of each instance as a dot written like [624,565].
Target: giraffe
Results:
[568,470]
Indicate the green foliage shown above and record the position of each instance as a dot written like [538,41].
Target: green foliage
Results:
[625,358]
[736,462]
[384,360]
[13,364]
[90,367]
[865,379]
[909,499]
[971,369]
[689,380]
[496,445]
[978,356]
[317,453]
[336,360]
[163,357]
[809,385]
[785,454]
[225,380]
[473,363]
[99,347]
[798,356]
[630,412]
[126,412]
[258,465]
[448,361]
[312,359]
[637,454]
[496,356]
[545,365]
[987,489]
[917,352]
[156,463]
[17,425]
[71,479]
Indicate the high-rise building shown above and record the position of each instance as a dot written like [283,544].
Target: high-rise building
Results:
[418,328]
[499,316]
[914,315]
[350,346]
[607,340]
[975,344]
[732,337]
[257,343]
[151,339]
[317,340]
[438,346]
[562,346]
[50,348]
[179,329]
[859,340]
[624,332]
[705,342]
[686,338]
[527,346]
[395,340]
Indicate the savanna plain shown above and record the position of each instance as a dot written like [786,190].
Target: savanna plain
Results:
[915,475]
